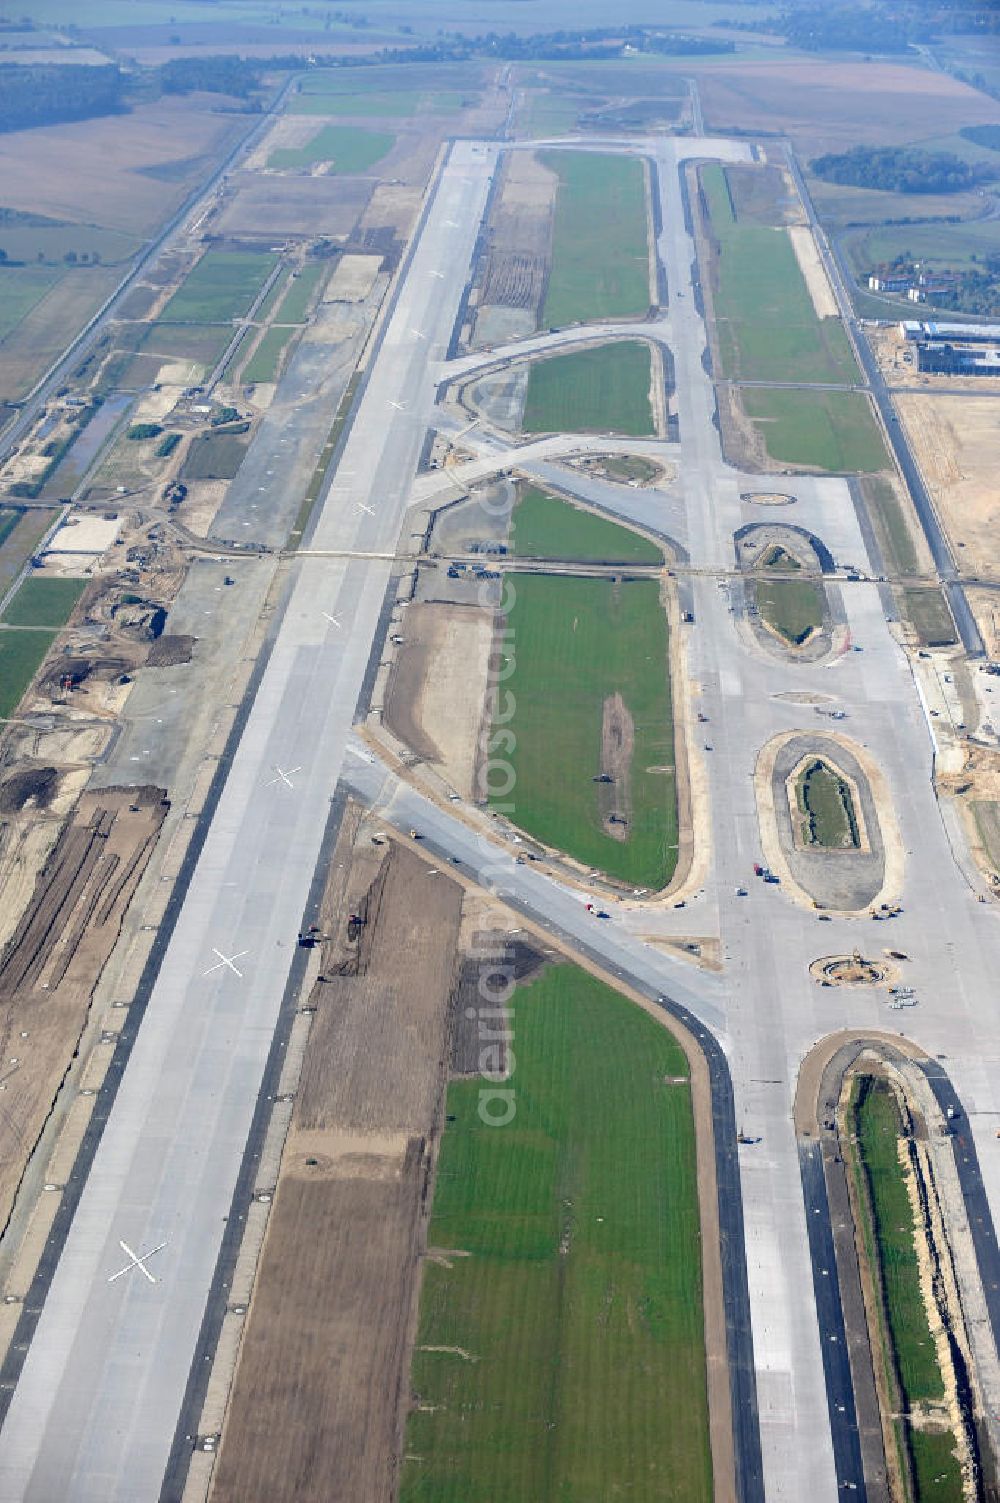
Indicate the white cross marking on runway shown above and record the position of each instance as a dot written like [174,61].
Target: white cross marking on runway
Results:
[419,333]
[283,777]
[399,406]
[137,1260]
[333,620]
[362,507]
[226,960]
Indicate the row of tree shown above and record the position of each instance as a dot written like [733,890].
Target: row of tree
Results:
[43,93]
[900,169]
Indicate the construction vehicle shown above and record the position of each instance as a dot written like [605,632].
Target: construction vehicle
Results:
[758,870]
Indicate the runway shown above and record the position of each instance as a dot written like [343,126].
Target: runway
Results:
[94,1411]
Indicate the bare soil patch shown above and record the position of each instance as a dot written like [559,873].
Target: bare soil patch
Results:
[436,695]
[52,960]
[101,168]
[317,1405]
[830,105]
[617,748]
[811,267]
[957,440]
[264,205]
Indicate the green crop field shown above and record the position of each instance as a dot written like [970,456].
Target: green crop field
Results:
[824,430]
[44,602]
[21,653]
[600,243]
[297,298]
[765,321]
[825,799]
[878,1128]
[793,607]
[561,1358]
[21,288]
[205,343]
[602,390]
[577,642]
[214,456]
[348,147]
[547,527]
[263,363]
[221,287]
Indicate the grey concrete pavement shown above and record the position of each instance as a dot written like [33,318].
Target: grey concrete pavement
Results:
[94,1412]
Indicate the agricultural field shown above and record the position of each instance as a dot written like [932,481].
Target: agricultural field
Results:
[823,430]
[592,685]
[296,300]
[214,456]
[546,527]
[20,534]
[600,244]
[952,245]
[346,147]
[46,603]
[266,358]
[791,607]
[552,1356]
[601,390]
[221,287]
[766,324]
[21,288]
[21,654]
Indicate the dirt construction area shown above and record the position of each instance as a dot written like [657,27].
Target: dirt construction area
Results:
[57,950]
[318,1401]
[436,696]
[957,443]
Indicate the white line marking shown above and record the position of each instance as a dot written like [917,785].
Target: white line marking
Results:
[137,1261]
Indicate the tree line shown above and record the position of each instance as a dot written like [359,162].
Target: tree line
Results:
[899,169]
[45,93]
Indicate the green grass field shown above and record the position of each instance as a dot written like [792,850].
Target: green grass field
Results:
[395,106]
[600,246]
[297,298]
[221,287]
[766,324]
[278,289]
[214,456]
[886,510]
[826,799]
[348,147]
[793,607]
[44,602]
[579,1302]
[928,614]
[21,653]
[576,642]
[600,390]
[878,1129]
[826,430]
[205,343]
[547,527]
[21,288]
[890,1241]
[263,363]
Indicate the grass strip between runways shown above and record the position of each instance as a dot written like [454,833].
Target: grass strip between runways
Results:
[560,1356]
[573,644]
